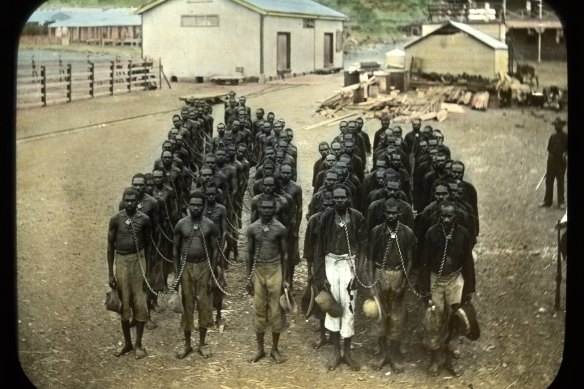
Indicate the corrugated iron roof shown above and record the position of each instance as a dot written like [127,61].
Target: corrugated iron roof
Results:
[101,18]
[298,8]
[479,35]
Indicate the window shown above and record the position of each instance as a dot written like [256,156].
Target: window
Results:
[199,20]
[308,23]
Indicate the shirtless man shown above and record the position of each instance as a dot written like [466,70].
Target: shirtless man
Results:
[128,234]
[266,268]
[194,254]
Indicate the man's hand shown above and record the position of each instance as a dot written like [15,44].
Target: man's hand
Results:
[327,286]
[285,285]
[353,283]
[112,281]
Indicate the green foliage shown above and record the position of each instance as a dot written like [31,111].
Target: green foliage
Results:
[94,3]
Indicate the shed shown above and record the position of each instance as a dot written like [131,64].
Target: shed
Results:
[457,48]
[200,39]
[395,59]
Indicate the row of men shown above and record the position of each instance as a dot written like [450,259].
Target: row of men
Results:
[158,232]
[411,222]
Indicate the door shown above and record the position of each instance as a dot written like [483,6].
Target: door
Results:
[283,55]
[328,50]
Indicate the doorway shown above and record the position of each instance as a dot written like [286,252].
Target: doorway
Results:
[328,50]
[283,52]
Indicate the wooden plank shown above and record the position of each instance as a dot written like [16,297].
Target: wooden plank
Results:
[453,108]
[329,121]
[442,115]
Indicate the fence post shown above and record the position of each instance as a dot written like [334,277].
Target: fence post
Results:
[69,83]
[91,79]
[44,85]
[130,76]
[159,73]
[112,78]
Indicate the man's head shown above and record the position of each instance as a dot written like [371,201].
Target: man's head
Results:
[349,146]
[166,158]
[397,132]
[231,150]
[196,203]
[323,149]
[149,183]
[381,162]
[266,207]
[391,212]
[259,113]
[359,122]
[220,156]
[341,197]
[342,166]
[336,148]
[221,129]
[280,156]
[416,123]
[210,193]
[391,187]
[206,174]
[331,178]
[179,140]
[241,150]
[271,117]
[269,167]
[282,145]
[130,200]
[457,170]
[285,172]
[270,153]
[210,161]
[385,122]
[289,134]
[327,201]
[396,161]
[438,135]
[441,192]
[380,177]
[330,160]
[352,127]
[266,127]
[158,177]
[176,121]
[426,132]
[173,133]
[447,214]
[269,185]
[167,145]
[343,126]
[242,101]
[559,124]
[139,183]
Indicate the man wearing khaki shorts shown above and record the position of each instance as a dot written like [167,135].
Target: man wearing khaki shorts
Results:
[127,246]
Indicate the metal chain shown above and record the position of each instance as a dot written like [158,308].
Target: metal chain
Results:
[210,266]
[447,238]
[257,252]
[416,293]
[344,223]
[158,250]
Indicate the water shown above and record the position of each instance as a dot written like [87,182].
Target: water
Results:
[374,52]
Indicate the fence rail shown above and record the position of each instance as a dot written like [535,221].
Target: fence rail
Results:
[55,83]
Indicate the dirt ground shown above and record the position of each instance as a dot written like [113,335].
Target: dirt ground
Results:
[69,184]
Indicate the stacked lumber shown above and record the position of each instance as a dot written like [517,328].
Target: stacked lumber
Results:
[345,97]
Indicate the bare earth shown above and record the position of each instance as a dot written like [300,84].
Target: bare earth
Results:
[69,184]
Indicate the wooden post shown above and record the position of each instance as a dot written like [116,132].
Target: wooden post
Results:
[44,85]
[69,83]
[112,66]
[159,73]
[91,79]
[130,76]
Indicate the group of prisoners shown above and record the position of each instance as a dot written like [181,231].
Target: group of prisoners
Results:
[366,195]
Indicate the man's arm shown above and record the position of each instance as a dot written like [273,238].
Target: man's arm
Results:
[147,236]
[298,199]
[223,226]
[284,256]
[176,247]
[251,242]
[111,243]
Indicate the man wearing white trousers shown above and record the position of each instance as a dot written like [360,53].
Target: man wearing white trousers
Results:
[340,256]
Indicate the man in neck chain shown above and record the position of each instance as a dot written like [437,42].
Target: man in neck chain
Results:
[194,255]
[447,279]
[128,234]
[267,268]
[339,259]
[392,248]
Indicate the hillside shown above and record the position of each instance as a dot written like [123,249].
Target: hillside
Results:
[371,21]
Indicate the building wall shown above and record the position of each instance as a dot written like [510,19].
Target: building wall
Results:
[495,29]
[189,52]
[502,61]
[455,54]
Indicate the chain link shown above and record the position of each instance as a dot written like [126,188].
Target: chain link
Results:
[210,266]
[158,250]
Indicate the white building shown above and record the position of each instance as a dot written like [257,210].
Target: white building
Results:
[205,38]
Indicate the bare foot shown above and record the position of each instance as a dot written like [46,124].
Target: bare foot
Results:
[275,354]
[204,351]
[140,352]
[351,363]
[396,366]
[334,361]
[379,363]
[321,342]
[457,372]
[433,369]
[123,350]
[150,325]
[259,355]
[186,351]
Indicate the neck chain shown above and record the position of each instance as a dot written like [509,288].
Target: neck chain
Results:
[344,220]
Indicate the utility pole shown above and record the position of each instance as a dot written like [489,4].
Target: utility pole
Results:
[539,32]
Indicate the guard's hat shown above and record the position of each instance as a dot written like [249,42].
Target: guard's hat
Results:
[328,304]
[559,121]
[465,318]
